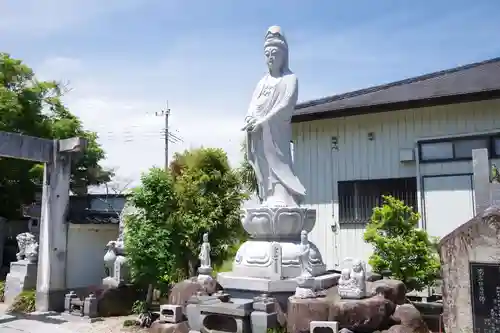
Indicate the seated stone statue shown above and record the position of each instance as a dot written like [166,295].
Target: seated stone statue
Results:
[352,284]
[28,247]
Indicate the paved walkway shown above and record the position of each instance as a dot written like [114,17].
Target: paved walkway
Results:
[55,323]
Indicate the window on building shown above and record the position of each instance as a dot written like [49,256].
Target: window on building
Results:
[358,198]
[436,151]
[457,149]
[496,146]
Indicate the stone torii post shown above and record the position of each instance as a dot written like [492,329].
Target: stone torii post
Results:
[56,156]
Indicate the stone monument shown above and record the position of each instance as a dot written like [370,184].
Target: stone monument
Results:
[274,256]
[115,260]
[23,272]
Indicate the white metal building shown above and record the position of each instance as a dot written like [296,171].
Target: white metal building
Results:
[412,139]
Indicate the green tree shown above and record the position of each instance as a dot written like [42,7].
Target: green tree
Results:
[246,172]
[209,195]
[33,107]
[150,232]
[199,193]
[400,246]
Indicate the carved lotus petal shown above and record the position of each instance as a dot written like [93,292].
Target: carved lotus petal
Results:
[278,222]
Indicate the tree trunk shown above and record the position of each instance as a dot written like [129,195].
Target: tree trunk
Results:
[149,297]
[192,267]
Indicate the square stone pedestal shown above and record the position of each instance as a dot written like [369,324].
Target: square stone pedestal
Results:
[22,276]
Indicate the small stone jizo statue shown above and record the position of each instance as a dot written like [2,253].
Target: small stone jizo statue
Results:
[352,282]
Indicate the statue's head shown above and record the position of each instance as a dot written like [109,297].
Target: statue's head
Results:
[303,236]
[205,238]
[276,49]
[357,266]
[346,273]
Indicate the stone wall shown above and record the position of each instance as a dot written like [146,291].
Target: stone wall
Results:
[476,240]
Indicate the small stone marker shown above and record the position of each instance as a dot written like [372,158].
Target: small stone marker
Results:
[171,313]
[324,327]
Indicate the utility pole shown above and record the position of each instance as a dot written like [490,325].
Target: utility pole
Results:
[165,114]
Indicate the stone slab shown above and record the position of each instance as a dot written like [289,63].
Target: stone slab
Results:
[231,282]
[238,307]
[26,147]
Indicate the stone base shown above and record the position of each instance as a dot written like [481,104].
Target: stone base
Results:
[22,277]
[248,287]
[258,258]
[230,281]
[52,300]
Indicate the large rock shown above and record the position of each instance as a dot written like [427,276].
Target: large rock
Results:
[409,316]
[118,301]
[302,311]
[364,315]
[159,327]
[393,290]
[182,291]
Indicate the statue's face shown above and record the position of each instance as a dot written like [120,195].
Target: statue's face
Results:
[205,237]
[357,266]
[274,57]
[346,273]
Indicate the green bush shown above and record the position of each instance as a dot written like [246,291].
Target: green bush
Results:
[139,306]
[400,246]
[23,303]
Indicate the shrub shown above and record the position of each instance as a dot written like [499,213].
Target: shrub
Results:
[2,291]
[400,246]
[23,303]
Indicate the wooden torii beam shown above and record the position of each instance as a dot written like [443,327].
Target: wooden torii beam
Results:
[56,156]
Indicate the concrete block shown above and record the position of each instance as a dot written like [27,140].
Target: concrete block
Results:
[324,327]
[171,313]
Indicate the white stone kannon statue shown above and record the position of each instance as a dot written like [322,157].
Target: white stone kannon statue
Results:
[279,218]
[352,282]
[204,256]
[268,126]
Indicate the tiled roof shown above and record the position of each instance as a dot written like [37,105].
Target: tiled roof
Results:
[463,80]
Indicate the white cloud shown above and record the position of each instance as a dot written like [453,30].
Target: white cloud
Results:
[40,17]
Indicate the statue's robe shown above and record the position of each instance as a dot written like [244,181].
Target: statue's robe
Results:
[268,147]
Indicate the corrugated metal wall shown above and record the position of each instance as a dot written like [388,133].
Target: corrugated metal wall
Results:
[320,167]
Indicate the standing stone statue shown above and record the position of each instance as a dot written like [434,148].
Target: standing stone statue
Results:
[269,129]
[278,222]
[204,256]
[305,253]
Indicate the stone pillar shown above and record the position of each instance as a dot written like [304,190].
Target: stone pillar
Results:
[51,279]
[481,179]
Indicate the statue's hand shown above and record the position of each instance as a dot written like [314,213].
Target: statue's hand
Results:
[250,124]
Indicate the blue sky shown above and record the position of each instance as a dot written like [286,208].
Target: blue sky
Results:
[124,59]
